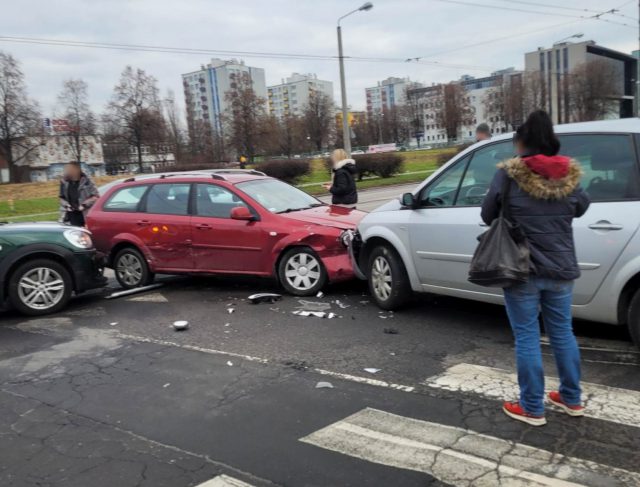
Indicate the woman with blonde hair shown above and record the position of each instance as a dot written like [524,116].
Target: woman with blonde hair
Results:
[343,183]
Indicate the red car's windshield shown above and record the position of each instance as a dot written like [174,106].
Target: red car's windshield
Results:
[278,197]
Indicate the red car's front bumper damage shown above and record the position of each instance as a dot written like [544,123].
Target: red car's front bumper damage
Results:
[338,266]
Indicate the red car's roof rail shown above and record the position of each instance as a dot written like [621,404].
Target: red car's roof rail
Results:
[253,172]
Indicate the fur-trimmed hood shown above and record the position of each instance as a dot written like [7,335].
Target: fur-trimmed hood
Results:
[348,164]
[539,186]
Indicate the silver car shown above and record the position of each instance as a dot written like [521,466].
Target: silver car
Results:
[424,241]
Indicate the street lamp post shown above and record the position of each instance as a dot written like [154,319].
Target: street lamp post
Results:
[346,132]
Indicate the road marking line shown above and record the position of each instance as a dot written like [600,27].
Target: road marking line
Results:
[601,402]
[601,345]
[458,456]
[365,380]
[224,481]
[338,375]
[194,348]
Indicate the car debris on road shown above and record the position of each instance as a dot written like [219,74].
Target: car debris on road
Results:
[180,325]
[264,298]
[136,290]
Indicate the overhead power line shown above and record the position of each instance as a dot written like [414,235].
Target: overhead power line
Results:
[219,52]
[597,16]
[548,5]
[490,41]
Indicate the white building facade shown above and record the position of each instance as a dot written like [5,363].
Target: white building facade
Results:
[50,153]
[205,90]
[388,93]
[292,95]
[476,93]
[554,65]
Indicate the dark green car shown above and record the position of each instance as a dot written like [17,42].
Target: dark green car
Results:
[43,264]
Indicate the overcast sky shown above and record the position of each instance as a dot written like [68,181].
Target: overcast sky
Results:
[396,29]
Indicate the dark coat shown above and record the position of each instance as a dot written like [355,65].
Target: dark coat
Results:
[343,187]
[544,208]
[87,195]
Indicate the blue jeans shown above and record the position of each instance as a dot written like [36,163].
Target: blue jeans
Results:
[524,303]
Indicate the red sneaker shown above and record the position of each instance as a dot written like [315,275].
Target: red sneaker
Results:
[556,399]
[515,411]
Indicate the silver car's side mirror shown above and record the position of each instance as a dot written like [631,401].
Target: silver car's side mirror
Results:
[408,200]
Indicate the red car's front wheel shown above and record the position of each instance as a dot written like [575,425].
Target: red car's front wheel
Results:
[301,272]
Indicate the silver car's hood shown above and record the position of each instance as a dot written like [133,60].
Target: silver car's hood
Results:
[392,205]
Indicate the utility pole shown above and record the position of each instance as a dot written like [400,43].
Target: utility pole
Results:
[346,130]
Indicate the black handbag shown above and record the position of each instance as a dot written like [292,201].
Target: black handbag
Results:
[502,256]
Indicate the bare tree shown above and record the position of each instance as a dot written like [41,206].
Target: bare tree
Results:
[454,110]
[593,90]
[20,122]
[286,135]
[81,123]
[319,119]
[136,109]
[246,118]
[412,111]
[534,92]
[175,132]
[504,102]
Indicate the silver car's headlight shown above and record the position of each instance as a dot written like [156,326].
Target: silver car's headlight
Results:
[79,238]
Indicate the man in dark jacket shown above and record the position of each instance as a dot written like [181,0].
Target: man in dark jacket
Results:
[343,186]
[544,196]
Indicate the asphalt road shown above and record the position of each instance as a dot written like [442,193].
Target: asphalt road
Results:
[369,199]
[106,393]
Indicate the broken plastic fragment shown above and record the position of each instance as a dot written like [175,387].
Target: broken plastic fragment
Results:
[265,298]
[113,324]
[313,305]
[230,363]
[317,314]
[180,325]
[341,304]
[231,310]
[324,385]
[372,370]
[166,385]
[320,294]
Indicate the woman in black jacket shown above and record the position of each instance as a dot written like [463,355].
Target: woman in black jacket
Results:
[343,184]
[544,197]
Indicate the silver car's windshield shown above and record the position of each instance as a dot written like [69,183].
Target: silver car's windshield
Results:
[278,197]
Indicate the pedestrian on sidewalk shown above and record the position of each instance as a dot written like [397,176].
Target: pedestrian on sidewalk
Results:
[544,197]
[343,182]
[78,193]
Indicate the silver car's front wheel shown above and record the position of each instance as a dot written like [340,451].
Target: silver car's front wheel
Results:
[388,280]
[301,272]
[381,278]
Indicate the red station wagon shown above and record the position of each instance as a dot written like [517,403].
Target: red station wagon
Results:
[224,222]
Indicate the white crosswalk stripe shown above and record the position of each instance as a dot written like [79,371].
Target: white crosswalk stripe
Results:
[224,481]
[601,402]
[458,456]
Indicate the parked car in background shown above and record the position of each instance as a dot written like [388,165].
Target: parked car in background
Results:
[424,241]
[374,149]
[222,222]
[43,264]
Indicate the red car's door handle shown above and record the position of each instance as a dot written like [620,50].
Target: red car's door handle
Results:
[203,226]
[143,223]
